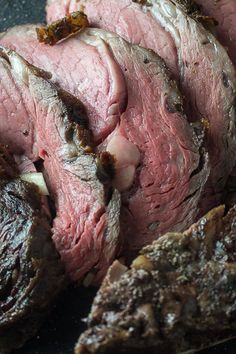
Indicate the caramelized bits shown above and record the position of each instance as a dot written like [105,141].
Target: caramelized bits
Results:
[63,28]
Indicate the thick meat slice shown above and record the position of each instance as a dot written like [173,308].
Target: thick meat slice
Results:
[196,59]
[158,167]
[178,295]
[38,124]
[224,12]
[86,71]
[31,274]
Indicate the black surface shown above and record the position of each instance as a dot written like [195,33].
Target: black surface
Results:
[61,330]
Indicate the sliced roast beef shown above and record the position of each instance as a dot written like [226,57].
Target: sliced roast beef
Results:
[196,59]
[75,64]
[135,112]
[31,273]
[178,295]
[224,12]
[39,122]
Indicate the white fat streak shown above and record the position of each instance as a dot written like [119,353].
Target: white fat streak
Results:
[90,37]
[19,66]
[168,15]
[37,179]
[97,38]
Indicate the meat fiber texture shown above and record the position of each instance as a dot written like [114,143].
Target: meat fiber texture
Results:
[196,59]
[135,112]
[36,123]
[31,272]
[177,297]
[224,12]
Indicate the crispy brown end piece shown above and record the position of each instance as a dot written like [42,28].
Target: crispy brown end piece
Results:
[63,28]
[178,295]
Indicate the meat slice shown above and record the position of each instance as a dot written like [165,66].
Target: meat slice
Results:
[135,111]
[75,64]
[178,295]
[196,59]
[31,273]
[39,123]
[224,12]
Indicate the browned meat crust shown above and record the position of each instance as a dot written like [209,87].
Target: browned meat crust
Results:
[63,28]
[179,294]
[31,274]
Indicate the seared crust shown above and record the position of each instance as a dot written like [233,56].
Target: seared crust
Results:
[179,294]
[31,273]
[63,28]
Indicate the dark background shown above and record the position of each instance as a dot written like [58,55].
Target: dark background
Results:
[61,330]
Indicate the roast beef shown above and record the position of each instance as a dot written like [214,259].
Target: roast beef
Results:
[135,112]
[39,122]
[195,57]
[31,273]
[224,12]
[178,295]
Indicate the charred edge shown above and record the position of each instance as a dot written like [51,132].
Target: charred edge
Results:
[76,110]
[201,164]
[200,129]
[10,285]
[8,166]
[106,173]
[225,79]
[23,271]
[78,126]
[190,196]
[85,138]
[141,2]
[63,28]
[190,7]
[74,132]
[105,167]
[40,72]
[4,55]
[146,3]
[174,105]
[146,61]
[108,192]
[208,22]
[195,11]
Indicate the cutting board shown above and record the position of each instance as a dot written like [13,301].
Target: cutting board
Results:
[63,326]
